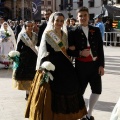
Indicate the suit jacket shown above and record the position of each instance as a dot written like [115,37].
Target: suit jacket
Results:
[77,38]
[40,32]
[18,28]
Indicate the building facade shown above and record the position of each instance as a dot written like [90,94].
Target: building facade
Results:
[48,4]
[22,9]
[70,6]
[16,9]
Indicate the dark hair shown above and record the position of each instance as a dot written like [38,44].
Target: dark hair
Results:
[68,19]
[48,10]
[3,18]
[73,19]
[27,22]
[83,9]
[57,14]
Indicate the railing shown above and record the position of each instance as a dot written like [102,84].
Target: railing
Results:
[112,38]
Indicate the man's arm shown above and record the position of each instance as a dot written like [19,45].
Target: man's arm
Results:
[72,51]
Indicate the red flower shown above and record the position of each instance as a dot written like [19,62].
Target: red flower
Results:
[92,31]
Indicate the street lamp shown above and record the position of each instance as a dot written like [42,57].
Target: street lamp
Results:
[69,8]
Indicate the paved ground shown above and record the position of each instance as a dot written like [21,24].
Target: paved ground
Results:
[12,102]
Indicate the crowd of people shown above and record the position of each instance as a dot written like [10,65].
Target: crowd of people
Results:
[56,94]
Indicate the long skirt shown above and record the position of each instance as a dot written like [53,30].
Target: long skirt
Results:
[39,103]
[21,84]
[5,48]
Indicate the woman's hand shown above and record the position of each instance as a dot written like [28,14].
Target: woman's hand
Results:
[72,47]
[85,53]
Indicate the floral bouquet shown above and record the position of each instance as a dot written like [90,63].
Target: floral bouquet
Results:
[15,57]
[46,67]
[5,35]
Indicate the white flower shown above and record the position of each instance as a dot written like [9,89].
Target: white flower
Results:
[13,53]
[48,66]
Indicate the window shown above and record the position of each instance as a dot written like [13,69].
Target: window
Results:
[42,2]
[71,1]
[80,3]
[65,3]
[105,2]
[91,3]
[61,5]
[49,2]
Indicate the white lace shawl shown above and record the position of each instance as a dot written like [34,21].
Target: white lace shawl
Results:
[43,50]
[34,39]
[45,38]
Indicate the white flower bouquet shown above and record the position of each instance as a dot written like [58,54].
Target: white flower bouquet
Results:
[15,57]
[13,53]
[5,35]
[46,67]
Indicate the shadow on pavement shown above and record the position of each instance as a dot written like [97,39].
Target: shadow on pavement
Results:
[103,106]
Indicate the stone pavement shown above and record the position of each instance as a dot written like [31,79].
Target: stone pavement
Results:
[12,102]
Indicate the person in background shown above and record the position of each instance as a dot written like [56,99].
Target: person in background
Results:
[67,22]
[7,43]
[58,99]
[72,22]
[42,27]
[35,27]
[24,73]
[108,28]
[12,25]
[18,28]
[2,20]
[100,24]
[87,48]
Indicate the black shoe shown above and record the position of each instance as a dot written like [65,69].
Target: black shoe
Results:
[27,95]
[91,118]
[6,67]
[83,119]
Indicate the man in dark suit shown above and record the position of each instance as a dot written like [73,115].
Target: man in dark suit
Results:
[42,27]
[86,45]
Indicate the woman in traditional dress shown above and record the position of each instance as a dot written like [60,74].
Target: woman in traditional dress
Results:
[24,74]
[7,43]
[58,99]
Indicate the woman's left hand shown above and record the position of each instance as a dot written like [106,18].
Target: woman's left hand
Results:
[72,47]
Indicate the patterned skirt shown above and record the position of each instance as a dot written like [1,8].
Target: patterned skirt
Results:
[39,103]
